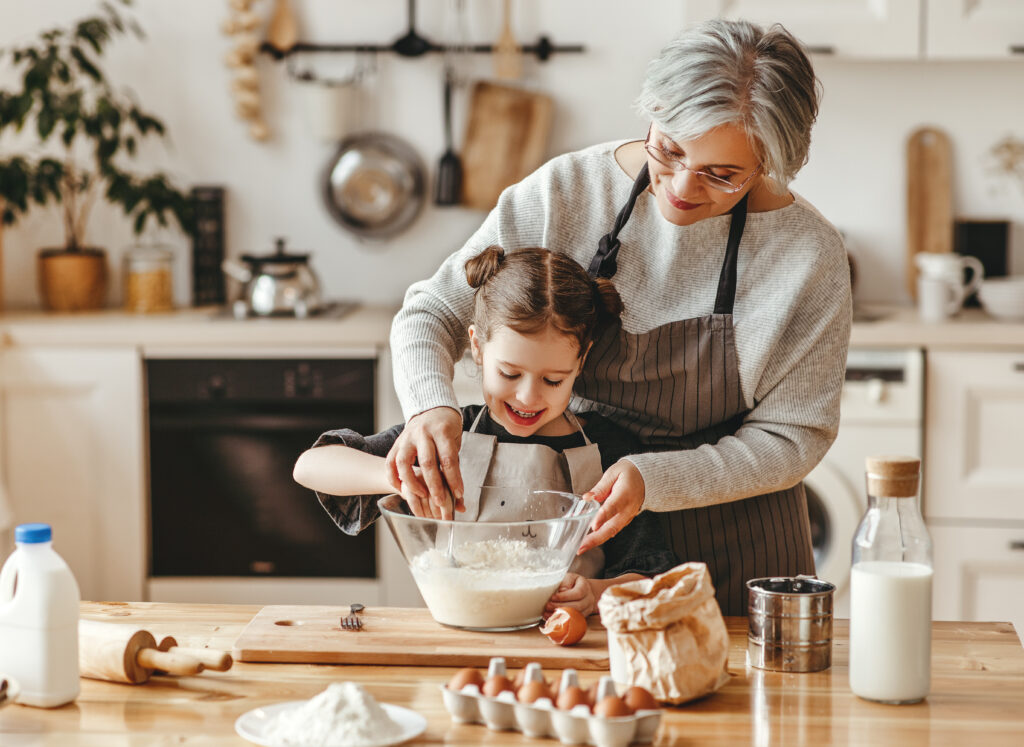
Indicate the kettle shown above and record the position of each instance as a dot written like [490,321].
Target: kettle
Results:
[278,284]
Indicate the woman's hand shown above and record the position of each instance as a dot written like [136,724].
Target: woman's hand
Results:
[429,441]
[621,493]
[424,507]
[574,591]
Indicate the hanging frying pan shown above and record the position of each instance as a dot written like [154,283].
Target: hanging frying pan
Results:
[375,185]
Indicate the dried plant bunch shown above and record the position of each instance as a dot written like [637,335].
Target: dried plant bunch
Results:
[1008,158]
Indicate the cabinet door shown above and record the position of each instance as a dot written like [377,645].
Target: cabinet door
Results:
[72,457]
[874,29]
[975,29]
[974,428]
[979,574]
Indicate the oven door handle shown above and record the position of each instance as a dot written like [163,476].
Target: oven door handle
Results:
[234,421]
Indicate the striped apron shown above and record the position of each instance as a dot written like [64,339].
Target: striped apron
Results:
[678,387]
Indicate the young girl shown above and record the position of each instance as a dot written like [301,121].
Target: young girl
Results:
[536,314]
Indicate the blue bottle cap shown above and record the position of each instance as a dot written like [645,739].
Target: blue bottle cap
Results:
[33,533]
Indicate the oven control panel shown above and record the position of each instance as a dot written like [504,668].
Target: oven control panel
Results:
[260,380]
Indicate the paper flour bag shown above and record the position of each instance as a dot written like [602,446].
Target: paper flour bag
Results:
[666,634]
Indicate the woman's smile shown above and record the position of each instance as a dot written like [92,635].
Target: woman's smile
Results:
[679,204]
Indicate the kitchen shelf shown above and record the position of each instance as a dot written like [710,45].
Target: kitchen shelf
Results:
[414,45]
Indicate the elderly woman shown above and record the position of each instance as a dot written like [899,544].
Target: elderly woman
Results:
[729,358]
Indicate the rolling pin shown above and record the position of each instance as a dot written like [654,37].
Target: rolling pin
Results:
[124,653]
[211,658]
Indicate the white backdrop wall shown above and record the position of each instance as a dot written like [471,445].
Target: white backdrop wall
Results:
[856,173]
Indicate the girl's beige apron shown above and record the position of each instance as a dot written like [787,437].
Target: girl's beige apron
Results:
[678,387]
[521,468]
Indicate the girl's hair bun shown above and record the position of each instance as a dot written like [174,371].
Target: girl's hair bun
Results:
[608,300]
[482,267]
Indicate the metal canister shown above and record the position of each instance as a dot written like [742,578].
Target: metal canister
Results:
[790,623]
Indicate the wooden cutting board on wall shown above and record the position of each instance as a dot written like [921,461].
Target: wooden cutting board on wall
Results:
[929,197]
[506,139]
[404,636]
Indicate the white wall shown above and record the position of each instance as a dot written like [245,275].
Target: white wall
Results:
[856,174]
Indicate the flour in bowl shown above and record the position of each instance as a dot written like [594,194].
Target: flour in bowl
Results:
[497,583]
[344,713]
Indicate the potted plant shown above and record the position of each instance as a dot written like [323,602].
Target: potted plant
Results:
[84,130]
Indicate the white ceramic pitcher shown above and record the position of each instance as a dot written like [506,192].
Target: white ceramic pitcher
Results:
[941,288]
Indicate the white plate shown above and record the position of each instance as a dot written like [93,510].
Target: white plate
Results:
[252,724]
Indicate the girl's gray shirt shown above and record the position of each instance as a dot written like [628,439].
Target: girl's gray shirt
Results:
[792,318]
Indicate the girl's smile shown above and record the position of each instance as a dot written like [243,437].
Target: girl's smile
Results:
[528,379]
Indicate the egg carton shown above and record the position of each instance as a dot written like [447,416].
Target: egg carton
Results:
[541,719]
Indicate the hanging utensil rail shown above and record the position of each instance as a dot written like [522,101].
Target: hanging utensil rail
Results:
[412,44]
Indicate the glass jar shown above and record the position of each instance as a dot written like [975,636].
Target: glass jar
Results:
[891,588]
[148,279]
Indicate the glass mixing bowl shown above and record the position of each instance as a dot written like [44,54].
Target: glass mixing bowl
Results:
[500,573]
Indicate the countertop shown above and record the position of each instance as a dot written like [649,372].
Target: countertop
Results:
[368,326]
[364,326]
[977,692]
[900,326]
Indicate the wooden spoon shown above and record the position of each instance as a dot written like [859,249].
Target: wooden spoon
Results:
[508,63]
[283,29]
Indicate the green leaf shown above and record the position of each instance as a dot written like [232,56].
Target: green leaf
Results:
[46,120]
[85,64]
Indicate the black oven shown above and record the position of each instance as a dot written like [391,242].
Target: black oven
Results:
[223,437]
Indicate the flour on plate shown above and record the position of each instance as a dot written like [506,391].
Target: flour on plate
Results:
[343,714]
[497,583]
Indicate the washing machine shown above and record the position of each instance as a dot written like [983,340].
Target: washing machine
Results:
[881,413]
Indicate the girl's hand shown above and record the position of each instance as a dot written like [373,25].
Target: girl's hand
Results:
[424,507]
[574,591]
[430,441]
[621,491]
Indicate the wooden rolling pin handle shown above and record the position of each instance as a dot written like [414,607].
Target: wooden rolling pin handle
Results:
[211,658]
[168,661]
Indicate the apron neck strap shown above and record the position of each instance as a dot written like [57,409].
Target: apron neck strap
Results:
[476,420]
[603,264]
[726,295]
[575,423]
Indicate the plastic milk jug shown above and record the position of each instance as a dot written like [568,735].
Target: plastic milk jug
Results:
[891,588]
[39,620]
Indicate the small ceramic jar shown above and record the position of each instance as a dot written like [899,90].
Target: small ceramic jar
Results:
[148,279]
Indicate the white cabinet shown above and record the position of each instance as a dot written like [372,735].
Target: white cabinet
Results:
[850,28]
[975,29]
[887,29]
[973,495]
[71,450]
[974,464]
[979,574]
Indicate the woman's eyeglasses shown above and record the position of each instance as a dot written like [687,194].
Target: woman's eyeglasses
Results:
[710,181]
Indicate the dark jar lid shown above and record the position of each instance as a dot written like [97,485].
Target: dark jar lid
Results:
[279,255]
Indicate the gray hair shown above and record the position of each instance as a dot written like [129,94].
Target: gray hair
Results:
[734,72]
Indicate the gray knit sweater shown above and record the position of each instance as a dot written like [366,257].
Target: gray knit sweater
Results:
[792,317]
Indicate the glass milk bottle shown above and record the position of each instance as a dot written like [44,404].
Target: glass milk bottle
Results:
[891,588]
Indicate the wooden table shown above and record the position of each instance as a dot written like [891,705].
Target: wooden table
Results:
[977,695]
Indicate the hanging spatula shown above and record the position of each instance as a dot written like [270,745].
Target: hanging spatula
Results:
[448,185]
[508,63]
[283,29]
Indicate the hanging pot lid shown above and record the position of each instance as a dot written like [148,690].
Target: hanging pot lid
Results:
[375,185]
[279,255]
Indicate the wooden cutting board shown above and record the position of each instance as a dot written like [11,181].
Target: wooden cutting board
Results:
[929,197]
[403,636]
[506,139]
